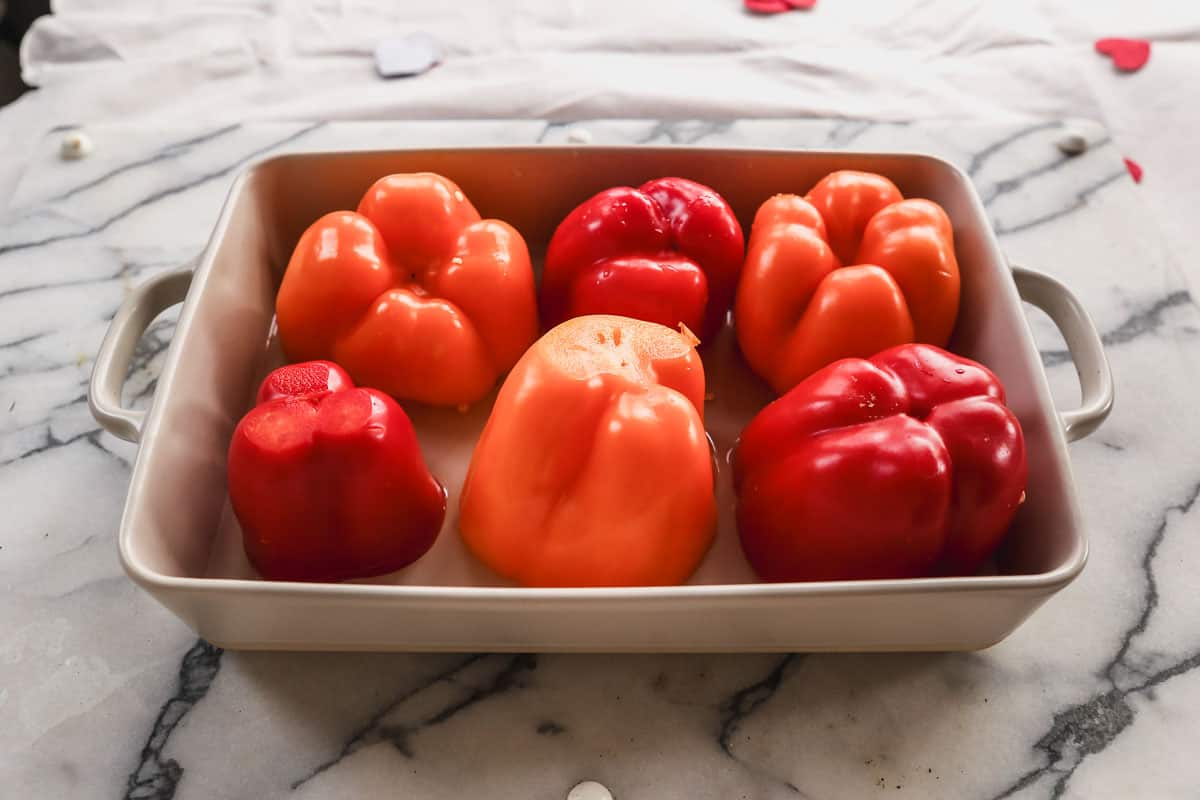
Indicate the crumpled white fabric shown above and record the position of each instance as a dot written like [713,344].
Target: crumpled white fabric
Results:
[177,60]
[893,60]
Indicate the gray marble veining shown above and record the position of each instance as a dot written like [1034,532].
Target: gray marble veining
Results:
[104,693]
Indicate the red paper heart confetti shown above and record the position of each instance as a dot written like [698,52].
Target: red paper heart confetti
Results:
[1128,55]
[1135,169]
[777,6]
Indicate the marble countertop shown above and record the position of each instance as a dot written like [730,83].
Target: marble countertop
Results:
[104,693]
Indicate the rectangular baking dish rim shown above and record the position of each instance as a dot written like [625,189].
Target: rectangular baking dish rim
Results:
[1048,581]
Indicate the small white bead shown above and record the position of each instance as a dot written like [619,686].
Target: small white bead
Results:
[579,136]
[1072,144]
[75,145]
[589,790]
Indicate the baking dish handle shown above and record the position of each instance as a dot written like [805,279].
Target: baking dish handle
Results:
[1083,343]
[116,351]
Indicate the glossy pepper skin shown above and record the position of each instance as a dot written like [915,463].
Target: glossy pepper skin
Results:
[327,480]
[668,251]
[902,465]
[849,270]
[594,468]
[413,294]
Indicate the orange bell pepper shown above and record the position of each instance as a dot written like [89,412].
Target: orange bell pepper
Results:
[412,294]
[848,271]
[594,469]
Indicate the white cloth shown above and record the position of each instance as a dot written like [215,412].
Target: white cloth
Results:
[181,60]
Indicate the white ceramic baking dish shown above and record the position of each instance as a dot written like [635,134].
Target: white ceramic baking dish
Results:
[180,542]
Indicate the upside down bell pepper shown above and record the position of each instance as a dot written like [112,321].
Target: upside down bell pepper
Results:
[668,251]
[902,465]
[413,294]
[327,480]
[594,468]
[849,270]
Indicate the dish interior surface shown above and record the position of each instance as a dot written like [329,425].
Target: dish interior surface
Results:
[179,523]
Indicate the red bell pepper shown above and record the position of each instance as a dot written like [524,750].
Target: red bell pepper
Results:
[668,251]
[901,465]
[413,294]
[594,469]
[327,480]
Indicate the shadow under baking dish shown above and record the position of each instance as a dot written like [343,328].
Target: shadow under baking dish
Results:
[180,540]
